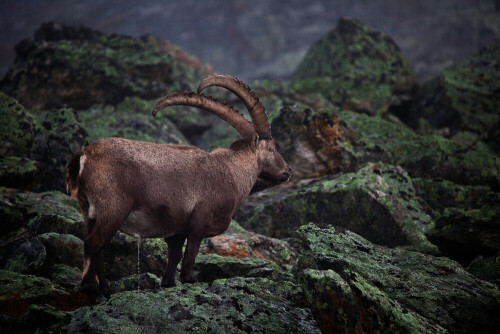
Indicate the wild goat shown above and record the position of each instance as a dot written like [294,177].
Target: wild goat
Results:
[172,191]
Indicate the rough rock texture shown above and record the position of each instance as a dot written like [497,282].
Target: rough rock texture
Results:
[487,269]
[23,255]
[130,119]
[428,156]
[353,285]
[28,213]
[35,148]
[357,68]
[224,306]
[102,68]
[377,202]
[18,292]
[467,218]
[120,256]
[463,98]
[58,137]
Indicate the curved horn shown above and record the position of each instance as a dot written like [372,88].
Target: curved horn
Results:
[247,95]
[221,110]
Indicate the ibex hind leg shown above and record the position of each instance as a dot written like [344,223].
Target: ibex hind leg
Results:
[100,230]
[175,244]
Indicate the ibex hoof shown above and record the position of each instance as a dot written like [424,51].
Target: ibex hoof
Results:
[168,283]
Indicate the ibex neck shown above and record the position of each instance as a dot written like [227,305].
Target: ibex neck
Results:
[243,167]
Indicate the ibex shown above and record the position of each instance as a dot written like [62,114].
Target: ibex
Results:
[172,191]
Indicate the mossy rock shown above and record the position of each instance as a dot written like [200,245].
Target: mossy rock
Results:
[378,202]
[209,267]
[24,212]
[38,318]
[65,276]
[486,268]
[463,98]
[137,282]
[225,306]
[467,218]
[428,156]
[240,244]
[20,173]
[357,68]
[62,248]
[102,68]
[17,128]
[369,287]
[130,119]
[24,256]
[120,258]
[59,136]
[18,292]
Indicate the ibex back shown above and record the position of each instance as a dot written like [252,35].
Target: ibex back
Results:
[171,191]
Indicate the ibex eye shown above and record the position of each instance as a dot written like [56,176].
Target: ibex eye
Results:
[270,150]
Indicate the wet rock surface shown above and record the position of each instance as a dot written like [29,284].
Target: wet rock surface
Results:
[352,283]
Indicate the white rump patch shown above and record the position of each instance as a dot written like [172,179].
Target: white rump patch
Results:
[92,214]
[82,164]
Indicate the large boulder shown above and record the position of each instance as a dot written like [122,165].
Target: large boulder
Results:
[354,285]
[224,306]
[18,292]
[24,212]
[356,68]
[462,99]
[130,119]
[102,68]
[467,218]
[378,202]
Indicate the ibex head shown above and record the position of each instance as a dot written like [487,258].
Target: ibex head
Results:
[271,164]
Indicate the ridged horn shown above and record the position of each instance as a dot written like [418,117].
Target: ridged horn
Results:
[247,95]
[221,110]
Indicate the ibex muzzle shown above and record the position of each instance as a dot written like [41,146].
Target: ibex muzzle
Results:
[172,191]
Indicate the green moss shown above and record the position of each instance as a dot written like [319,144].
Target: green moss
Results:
[356,67]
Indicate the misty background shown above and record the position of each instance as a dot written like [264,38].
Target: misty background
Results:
[267,39]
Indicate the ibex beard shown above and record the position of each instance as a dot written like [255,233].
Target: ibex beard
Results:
[175,192]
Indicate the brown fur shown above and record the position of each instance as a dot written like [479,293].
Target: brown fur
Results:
[153,190]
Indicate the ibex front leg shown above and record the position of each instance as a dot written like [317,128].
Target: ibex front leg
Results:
[175,244]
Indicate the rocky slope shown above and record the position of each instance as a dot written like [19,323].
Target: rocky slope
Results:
[383,228]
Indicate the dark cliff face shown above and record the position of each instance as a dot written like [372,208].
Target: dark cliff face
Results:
[371,202]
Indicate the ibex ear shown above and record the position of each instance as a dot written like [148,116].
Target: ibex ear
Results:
[255,141]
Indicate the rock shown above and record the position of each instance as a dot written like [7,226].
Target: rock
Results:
[429,156]
[24,255]
[20,173]
[59,136]
[65,276]
[18,292]
[319,143]
[24,212]
[146,281]
[245,244]
[356,68]
[120,256]
[16,129]
[38,318]
[102,68]
[467,218]
[209,267]
[62,248]
[487,269]
[352,284]
[224,306]
[464,234]
[463,98]
[377,202]
[130,119]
